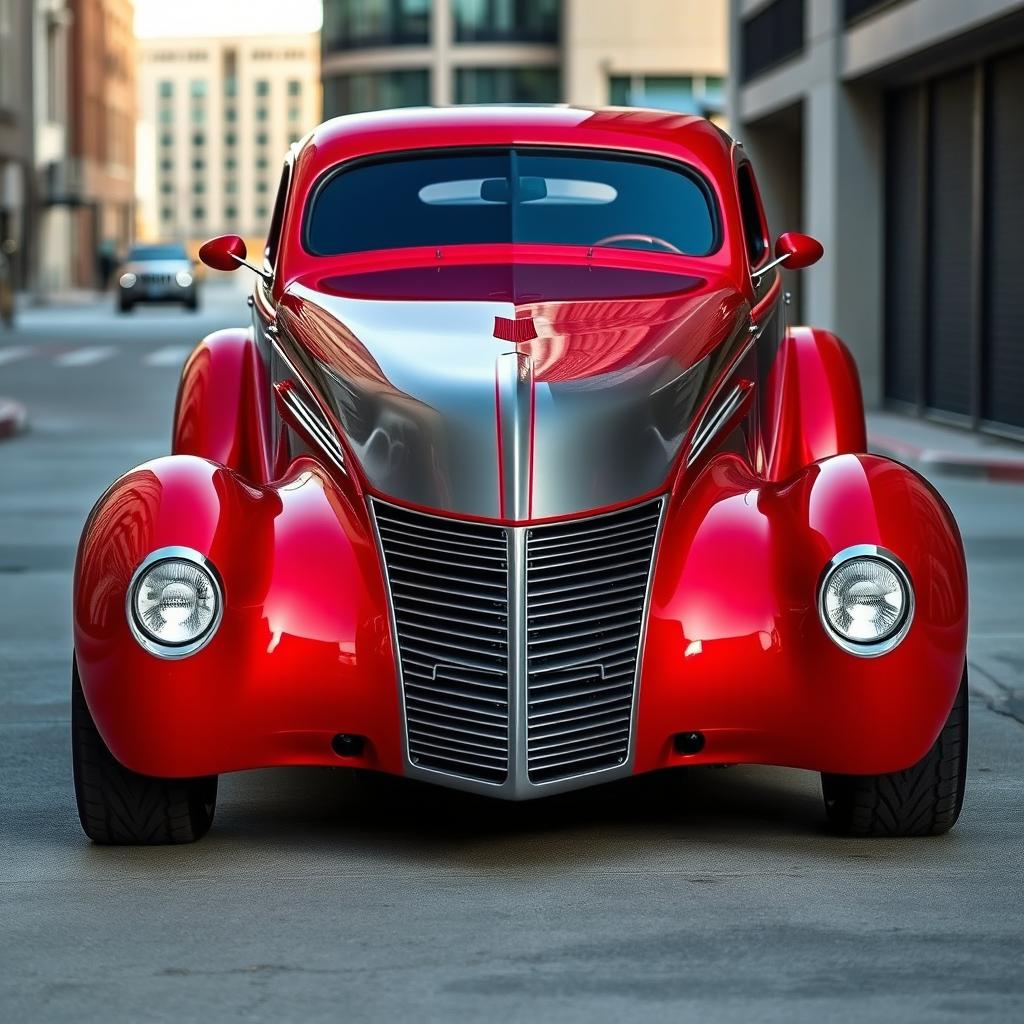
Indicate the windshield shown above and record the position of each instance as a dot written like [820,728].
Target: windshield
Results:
[494,196]
[143,253]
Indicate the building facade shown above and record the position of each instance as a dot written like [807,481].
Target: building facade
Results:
[217,117]
[890,130]
[401,53]
[16,138]
[100,185]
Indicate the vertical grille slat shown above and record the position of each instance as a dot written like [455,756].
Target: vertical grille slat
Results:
[449,598]
[586,589]
[582,592]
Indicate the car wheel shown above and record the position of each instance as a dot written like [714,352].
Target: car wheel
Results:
[125,307]
[122,808]
[192,305]
[923,800]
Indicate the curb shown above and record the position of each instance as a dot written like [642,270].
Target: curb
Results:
[1004,469]
[13,418]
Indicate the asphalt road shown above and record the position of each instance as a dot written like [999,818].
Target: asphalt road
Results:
[711,895]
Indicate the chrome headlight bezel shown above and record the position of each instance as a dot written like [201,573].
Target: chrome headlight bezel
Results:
[869,648]
[143,637]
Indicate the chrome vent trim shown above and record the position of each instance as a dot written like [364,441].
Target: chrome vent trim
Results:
[518,648]
[713,422]
[316,428]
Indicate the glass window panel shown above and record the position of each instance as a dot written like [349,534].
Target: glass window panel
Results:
[506,85]
[507,20]
[376,90]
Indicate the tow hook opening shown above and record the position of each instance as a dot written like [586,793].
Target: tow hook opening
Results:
[689,742]
[347,744]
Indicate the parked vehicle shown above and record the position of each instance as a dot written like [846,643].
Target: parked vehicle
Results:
[519,482]
[157,273]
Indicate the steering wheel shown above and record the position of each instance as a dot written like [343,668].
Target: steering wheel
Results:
[650,239]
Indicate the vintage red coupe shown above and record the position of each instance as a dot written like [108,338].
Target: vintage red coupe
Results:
[519,481]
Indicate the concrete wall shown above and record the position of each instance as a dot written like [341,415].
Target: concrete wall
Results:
[830,100]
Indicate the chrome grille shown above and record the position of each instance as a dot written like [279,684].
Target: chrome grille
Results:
[586,591]
[518,647]
[155,279]
[449,597]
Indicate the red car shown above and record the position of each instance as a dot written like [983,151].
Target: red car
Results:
[519,481]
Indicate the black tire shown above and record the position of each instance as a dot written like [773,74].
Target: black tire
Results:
[125,307]
[192,305]
[121,808]
[923,800]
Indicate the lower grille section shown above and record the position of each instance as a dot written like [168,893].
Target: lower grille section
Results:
[518,647]
[586,591]
[449,597]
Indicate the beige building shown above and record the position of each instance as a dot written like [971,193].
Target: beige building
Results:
[396,53]
[217,116]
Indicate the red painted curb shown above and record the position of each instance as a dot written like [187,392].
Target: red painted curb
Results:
[1005,470]
[13,418]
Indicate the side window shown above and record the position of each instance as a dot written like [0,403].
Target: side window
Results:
[755,230]
[277,219]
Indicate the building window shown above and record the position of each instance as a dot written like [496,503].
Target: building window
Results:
[853,10]
[167,213]
[261,186]
[230,114]
[166,90]
[166,188]
[231,187]
[506,85]
[262,87]
[230,163]
[262,113]
[231,87]
[198,165]
[199,213]
[261,138]
[198,139]
[294,87]
[261,212]
[167,115]
[167,139]
[294,113]
[230,138]
[166,165]
[197,88]
[198,187]
[490,21]
[198,115]
[773,35]
[353,24]
[261,163]
[375,90]
[681,93]
[230,212]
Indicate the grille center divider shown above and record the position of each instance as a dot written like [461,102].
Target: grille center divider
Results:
[518,647]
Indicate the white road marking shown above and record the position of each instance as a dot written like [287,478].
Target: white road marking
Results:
[8,355]
[84,356]
[173,355]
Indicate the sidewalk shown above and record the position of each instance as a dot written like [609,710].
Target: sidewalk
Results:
[932,447]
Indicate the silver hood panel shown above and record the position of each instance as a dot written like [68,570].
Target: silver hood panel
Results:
[443,415]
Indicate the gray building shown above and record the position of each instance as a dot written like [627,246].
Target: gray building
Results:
[892,130]
[16,140]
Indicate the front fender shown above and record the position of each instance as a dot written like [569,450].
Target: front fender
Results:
[303,651]
[735,648]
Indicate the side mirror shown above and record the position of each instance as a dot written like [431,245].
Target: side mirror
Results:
[793,251]
[225,252]
[797,251]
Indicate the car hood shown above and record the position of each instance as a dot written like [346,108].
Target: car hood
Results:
[157,267]
[514,392]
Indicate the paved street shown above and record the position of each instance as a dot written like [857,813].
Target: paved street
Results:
[712,895]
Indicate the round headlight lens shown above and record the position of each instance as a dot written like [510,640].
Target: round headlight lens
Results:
[865,600]
[184,278]
[128,280]
[175,602]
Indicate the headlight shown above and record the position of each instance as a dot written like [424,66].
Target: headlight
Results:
[128,280]
[184,278]
[174,602]
[865,600]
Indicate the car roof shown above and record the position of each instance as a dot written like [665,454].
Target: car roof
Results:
[681,136]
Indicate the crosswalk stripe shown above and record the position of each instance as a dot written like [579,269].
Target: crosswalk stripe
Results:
[8,355]
[173,355]
[84,356]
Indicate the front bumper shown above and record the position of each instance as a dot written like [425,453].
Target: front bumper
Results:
[732,645]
